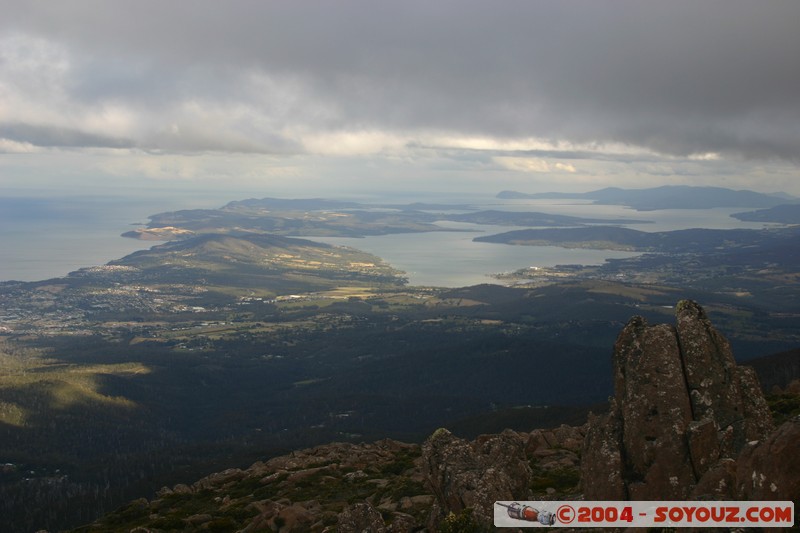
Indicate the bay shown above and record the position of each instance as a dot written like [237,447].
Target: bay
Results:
[453,259]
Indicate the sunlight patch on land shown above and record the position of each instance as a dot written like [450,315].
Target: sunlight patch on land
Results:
[635,293]
[31,383]
[348,292]
[82,390]
[12,414]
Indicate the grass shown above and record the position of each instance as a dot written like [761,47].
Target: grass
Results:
[562,479]
[783,407]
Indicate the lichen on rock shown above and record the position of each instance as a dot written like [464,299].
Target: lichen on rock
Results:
[681,405]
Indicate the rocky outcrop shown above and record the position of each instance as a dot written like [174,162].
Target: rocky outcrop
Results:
[473,475]
[558,447]
[681,410]
[720,391]
[469,476]
[335,487]
[386,486]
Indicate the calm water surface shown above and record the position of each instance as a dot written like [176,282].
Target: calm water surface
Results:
[452,259]
[46,237]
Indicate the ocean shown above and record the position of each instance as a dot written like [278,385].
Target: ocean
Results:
[44,237]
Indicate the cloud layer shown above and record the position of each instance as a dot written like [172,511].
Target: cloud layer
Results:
[621,80]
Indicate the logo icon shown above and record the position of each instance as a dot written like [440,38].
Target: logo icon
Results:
[565,514]
[527,513]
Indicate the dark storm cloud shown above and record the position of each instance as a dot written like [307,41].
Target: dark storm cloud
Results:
[677,77]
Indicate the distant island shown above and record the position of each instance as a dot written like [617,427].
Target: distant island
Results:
[666,197]
[331,218]
[614,238]
[780,214]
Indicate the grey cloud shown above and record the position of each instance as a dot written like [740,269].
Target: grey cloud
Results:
[678,77]
[193,139]
[205,139]
[52,136]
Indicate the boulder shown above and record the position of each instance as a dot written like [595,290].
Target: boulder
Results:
[718,483]
[770,469]
[359,518]
[402,523]
[475,474]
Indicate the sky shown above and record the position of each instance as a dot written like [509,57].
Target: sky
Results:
[332,97]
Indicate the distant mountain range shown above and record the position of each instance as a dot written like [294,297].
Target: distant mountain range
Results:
[666,197]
